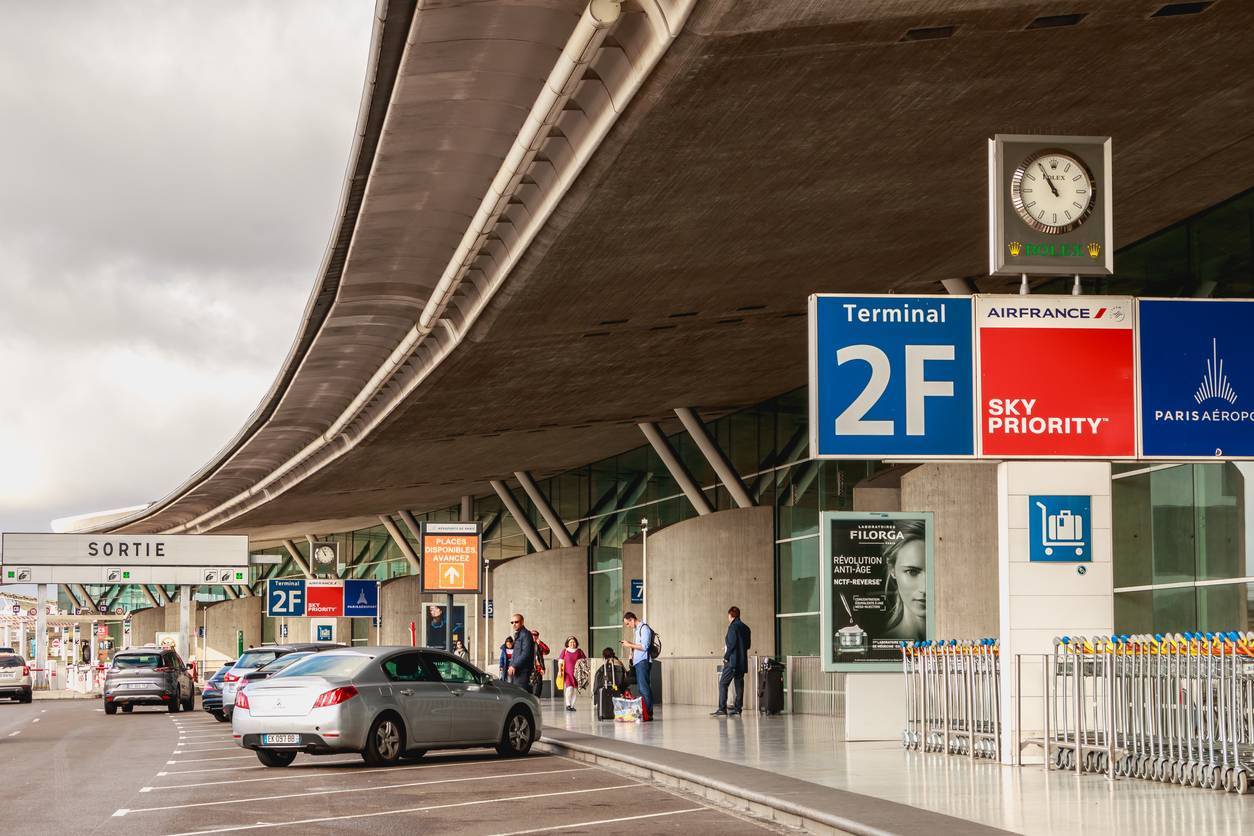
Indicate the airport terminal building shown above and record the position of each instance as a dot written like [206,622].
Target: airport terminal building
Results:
[566,297]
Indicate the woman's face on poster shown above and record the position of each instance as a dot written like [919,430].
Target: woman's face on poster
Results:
[910,572]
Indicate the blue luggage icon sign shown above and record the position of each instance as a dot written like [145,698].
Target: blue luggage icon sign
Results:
[1060,529]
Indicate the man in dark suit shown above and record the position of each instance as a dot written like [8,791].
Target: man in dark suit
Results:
[523,662]
[735,664]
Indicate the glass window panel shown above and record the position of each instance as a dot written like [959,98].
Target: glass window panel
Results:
[1224,608]
[798,501]
[1133,531]
[1175,610]
[606,558]
[1171,497]
[607,598]
[798,575]
[1134,612]
[792,422]
[1217,492]
[603,637]
[799,635]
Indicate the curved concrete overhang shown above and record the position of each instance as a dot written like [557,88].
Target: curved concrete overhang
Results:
[774,148]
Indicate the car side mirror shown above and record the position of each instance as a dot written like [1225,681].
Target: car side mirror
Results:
[486,679]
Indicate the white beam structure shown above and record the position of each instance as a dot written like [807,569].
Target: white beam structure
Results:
[411,557]
[714,455]
[515,510]
[676,468]
[297,557]
[545,508]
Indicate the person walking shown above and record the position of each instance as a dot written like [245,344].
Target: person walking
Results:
[566,662]
[641,641]
[460,651]
[522,663]
[507,653]
[542,651]
[735,664]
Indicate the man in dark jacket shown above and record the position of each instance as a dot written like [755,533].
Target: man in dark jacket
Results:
[735,663]
[524,658]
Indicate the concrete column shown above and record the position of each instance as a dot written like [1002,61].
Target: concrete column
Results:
[185,621]
[297,558]
[676,468]
[516,511]
[46,591]
[415,564]
[710,449]
[560,534]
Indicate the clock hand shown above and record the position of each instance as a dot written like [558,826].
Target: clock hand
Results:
[1045,174]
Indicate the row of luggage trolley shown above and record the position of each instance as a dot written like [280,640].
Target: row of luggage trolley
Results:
[1176,708]
[953,698]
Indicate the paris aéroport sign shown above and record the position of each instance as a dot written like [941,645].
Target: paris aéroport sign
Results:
[1030,377]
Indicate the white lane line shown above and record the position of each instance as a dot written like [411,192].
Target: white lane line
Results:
[36,720]
[206,749]
[553,827]
[303,775]
[424,809]
[202,760]
[341,790]
[15,733]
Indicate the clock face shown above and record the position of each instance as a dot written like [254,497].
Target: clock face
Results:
[1052,191]
[324,554]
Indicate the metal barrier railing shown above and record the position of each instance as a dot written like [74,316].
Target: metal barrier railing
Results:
[953,697]
[1177,708]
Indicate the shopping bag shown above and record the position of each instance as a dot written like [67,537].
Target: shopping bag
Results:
[628,710]
[560,682]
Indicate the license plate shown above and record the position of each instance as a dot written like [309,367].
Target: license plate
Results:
[137,685]
[8,675]
[280,738]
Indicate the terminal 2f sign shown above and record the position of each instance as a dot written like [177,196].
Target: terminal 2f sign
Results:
[1030,377]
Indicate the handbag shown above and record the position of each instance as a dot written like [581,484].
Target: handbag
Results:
[560,682]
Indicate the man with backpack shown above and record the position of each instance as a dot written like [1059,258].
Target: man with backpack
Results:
[642,653]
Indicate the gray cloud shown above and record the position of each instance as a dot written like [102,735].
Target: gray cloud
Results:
[171,172]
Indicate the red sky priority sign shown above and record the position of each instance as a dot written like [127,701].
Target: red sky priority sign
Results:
[324,598]
[1056,377]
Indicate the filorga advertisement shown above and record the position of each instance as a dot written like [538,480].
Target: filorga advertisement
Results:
[877,593]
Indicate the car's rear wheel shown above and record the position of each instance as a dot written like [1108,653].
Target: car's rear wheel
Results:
[173,707]
[127,709]
[219,716]
[270,757]
[110,708]
[519,733]
[385,741]
[27,697]
[190,703]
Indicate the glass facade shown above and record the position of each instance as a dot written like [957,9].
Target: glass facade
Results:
[1181,557]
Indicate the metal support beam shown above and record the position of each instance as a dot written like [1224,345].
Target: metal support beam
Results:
[959,287]
[243,590]
[297,557]
[415,565]
[676,468]
[490,524]
[792,450]
[360,568]
[515,511]
[113,595]
[73,596]
[162,595]
[231,594]
[88,601]
[545,508]
[152,599]
[714,455]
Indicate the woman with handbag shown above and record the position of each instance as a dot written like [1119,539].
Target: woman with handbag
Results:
[571,654]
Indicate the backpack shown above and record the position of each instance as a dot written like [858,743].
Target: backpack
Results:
[655,647]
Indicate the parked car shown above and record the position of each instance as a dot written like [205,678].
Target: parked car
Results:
[12,650]
[386,703]
[15,681]
[148,676]
[211,693]
[256,657]
[268,670]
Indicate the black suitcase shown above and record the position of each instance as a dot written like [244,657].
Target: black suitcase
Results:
[771,687]
[604,700]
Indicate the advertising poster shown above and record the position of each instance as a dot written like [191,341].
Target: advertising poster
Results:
[877,580]
[437,625]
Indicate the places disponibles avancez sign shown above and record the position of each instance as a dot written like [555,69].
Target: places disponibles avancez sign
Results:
[450,557]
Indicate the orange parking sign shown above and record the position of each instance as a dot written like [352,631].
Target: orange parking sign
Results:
[450,557]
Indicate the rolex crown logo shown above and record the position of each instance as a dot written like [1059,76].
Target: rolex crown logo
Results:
[1015,248]
[1094,249]
[1053,164]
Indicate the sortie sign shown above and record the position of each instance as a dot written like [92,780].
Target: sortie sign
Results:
[450,557]
[1056,377]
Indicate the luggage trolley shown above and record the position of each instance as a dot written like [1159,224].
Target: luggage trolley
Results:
[952,697]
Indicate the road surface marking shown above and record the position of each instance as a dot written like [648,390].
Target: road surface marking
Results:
[120,812]
[602,821]
[36,720]
[200,760]
[340,790]
[424,809]
[207,749]
[15,733]
[302,774]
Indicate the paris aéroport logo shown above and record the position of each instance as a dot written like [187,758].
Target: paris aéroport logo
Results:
[1215,380]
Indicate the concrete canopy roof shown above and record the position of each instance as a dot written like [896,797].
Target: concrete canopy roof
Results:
[779,147]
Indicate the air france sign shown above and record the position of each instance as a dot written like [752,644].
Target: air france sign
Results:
[1057,377]
[1197,378]
[891,376]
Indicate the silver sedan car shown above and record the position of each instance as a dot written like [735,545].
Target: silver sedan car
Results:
[387,703]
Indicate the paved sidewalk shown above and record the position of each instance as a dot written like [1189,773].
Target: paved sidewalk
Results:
[1027,800]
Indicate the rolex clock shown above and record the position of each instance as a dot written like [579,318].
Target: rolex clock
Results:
[1050,206]
[325,558]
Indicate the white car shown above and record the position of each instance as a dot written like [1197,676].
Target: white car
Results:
[15,679]
[385,703]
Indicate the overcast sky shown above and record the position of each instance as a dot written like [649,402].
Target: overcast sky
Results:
[171,172]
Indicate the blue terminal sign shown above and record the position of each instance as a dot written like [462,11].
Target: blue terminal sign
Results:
[891,376]
[1197,378]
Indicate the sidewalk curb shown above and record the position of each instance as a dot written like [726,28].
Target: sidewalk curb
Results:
[755,804]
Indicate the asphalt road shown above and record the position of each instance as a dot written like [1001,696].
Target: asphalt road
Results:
[67,768]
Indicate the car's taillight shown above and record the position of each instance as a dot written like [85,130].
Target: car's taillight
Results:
[335,696]
[241,700]
[230,677]
[25,670]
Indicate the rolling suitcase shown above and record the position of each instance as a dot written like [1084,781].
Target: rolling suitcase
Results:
[604,701]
